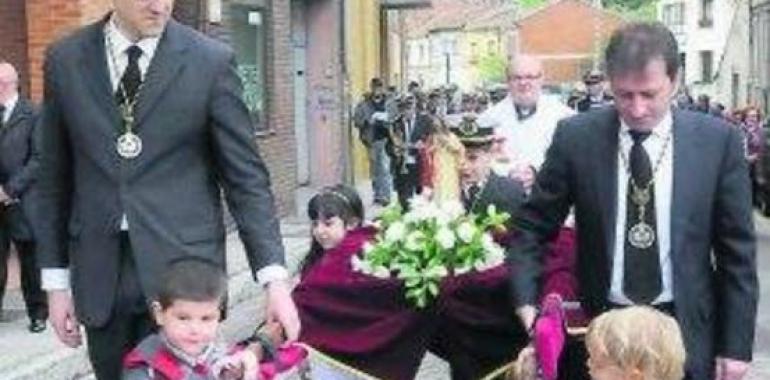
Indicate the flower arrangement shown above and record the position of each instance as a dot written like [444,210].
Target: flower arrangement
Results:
[429,242]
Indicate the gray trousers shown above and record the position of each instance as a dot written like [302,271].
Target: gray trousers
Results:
[379,170]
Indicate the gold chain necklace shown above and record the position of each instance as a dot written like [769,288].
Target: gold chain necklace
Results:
[128,144]
[642,235]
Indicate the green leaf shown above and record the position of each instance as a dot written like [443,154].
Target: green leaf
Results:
[433,289]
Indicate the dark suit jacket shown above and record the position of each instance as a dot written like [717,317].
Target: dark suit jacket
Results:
[420,130]
[17,168]
[198,141]
[712,230]
[505,193]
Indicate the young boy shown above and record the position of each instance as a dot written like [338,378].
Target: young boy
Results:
[187,311]
[635,343]
[481,186]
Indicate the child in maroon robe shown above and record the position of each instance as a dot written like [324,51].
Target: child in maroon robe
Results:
[366,323]
[360,320]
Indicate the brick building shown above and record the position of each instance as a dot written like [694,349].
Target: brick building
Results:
[258,30]
[447,41]
[567,35]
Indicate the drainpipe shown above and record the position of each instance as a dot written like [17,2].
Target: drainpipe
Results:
[346,108]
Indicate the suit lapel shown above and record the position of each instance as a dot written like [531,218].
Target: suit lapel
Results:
[94,66]
[19,113]
[606,176]
[684,160]
[479,204]
[166,63]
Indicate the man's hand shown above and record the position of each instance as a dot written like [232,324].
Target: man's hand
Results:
[61,313]
[281,308]
[730,369]
[524,173]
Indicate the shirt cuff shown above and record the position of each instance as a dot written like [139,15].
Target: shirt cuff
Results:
[54,279]
[271,273]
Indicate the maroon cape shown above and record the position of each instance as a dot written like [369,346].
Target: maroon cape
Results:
[366,322]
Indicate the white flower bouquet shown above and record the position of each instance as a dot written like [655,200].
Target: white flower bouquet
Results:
[429,242]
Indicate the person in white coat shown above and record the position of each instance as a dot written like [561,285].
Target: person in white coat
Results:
[525,120]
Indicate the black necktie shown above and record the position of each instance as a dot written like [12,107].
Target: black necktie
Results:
[641,266]
[132,77]
[470,196]
[2,116]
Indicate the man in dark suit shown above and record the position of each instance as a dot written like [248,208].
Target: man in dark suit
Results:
[662,207]
[17,173]
[595,96]
[407,132]
[143,128]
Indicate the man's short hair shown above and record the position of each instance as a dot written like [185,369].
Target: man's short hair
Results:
[192,278]
[642,338]
[632,47]
[376,82]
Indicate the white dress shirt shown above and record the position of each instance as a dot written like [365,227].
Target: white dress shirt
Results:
[116,45]
[663,178]
[526,141]
[10,105]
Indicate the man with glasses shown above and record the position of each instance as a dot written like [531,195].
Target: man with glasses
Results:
[525,119]
[143,129]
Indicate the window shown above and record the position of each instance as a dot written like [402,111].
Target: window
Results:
[422,53]
[491,47]
[474,52]
[248,32]
[706,61]
[706,13]
[673,17]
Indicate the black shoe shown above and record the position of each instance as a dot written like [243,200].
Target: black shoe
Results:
[37,326]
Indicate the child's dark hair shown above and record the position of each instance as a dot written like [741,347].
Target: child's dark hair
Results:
[192,278]
[339,200]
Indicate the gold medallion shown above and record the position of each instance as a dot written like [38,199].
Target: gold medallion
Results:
[129,145]
[641,235]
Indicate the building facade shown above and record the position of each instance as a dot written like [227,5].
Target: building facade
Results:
[453,42]
[759,37]
[459,42]
[568,36]
[258,31]
[733,66]
[714,46]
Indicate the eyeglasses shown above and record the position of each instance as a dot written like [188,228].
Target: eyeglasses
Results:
[522,78]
